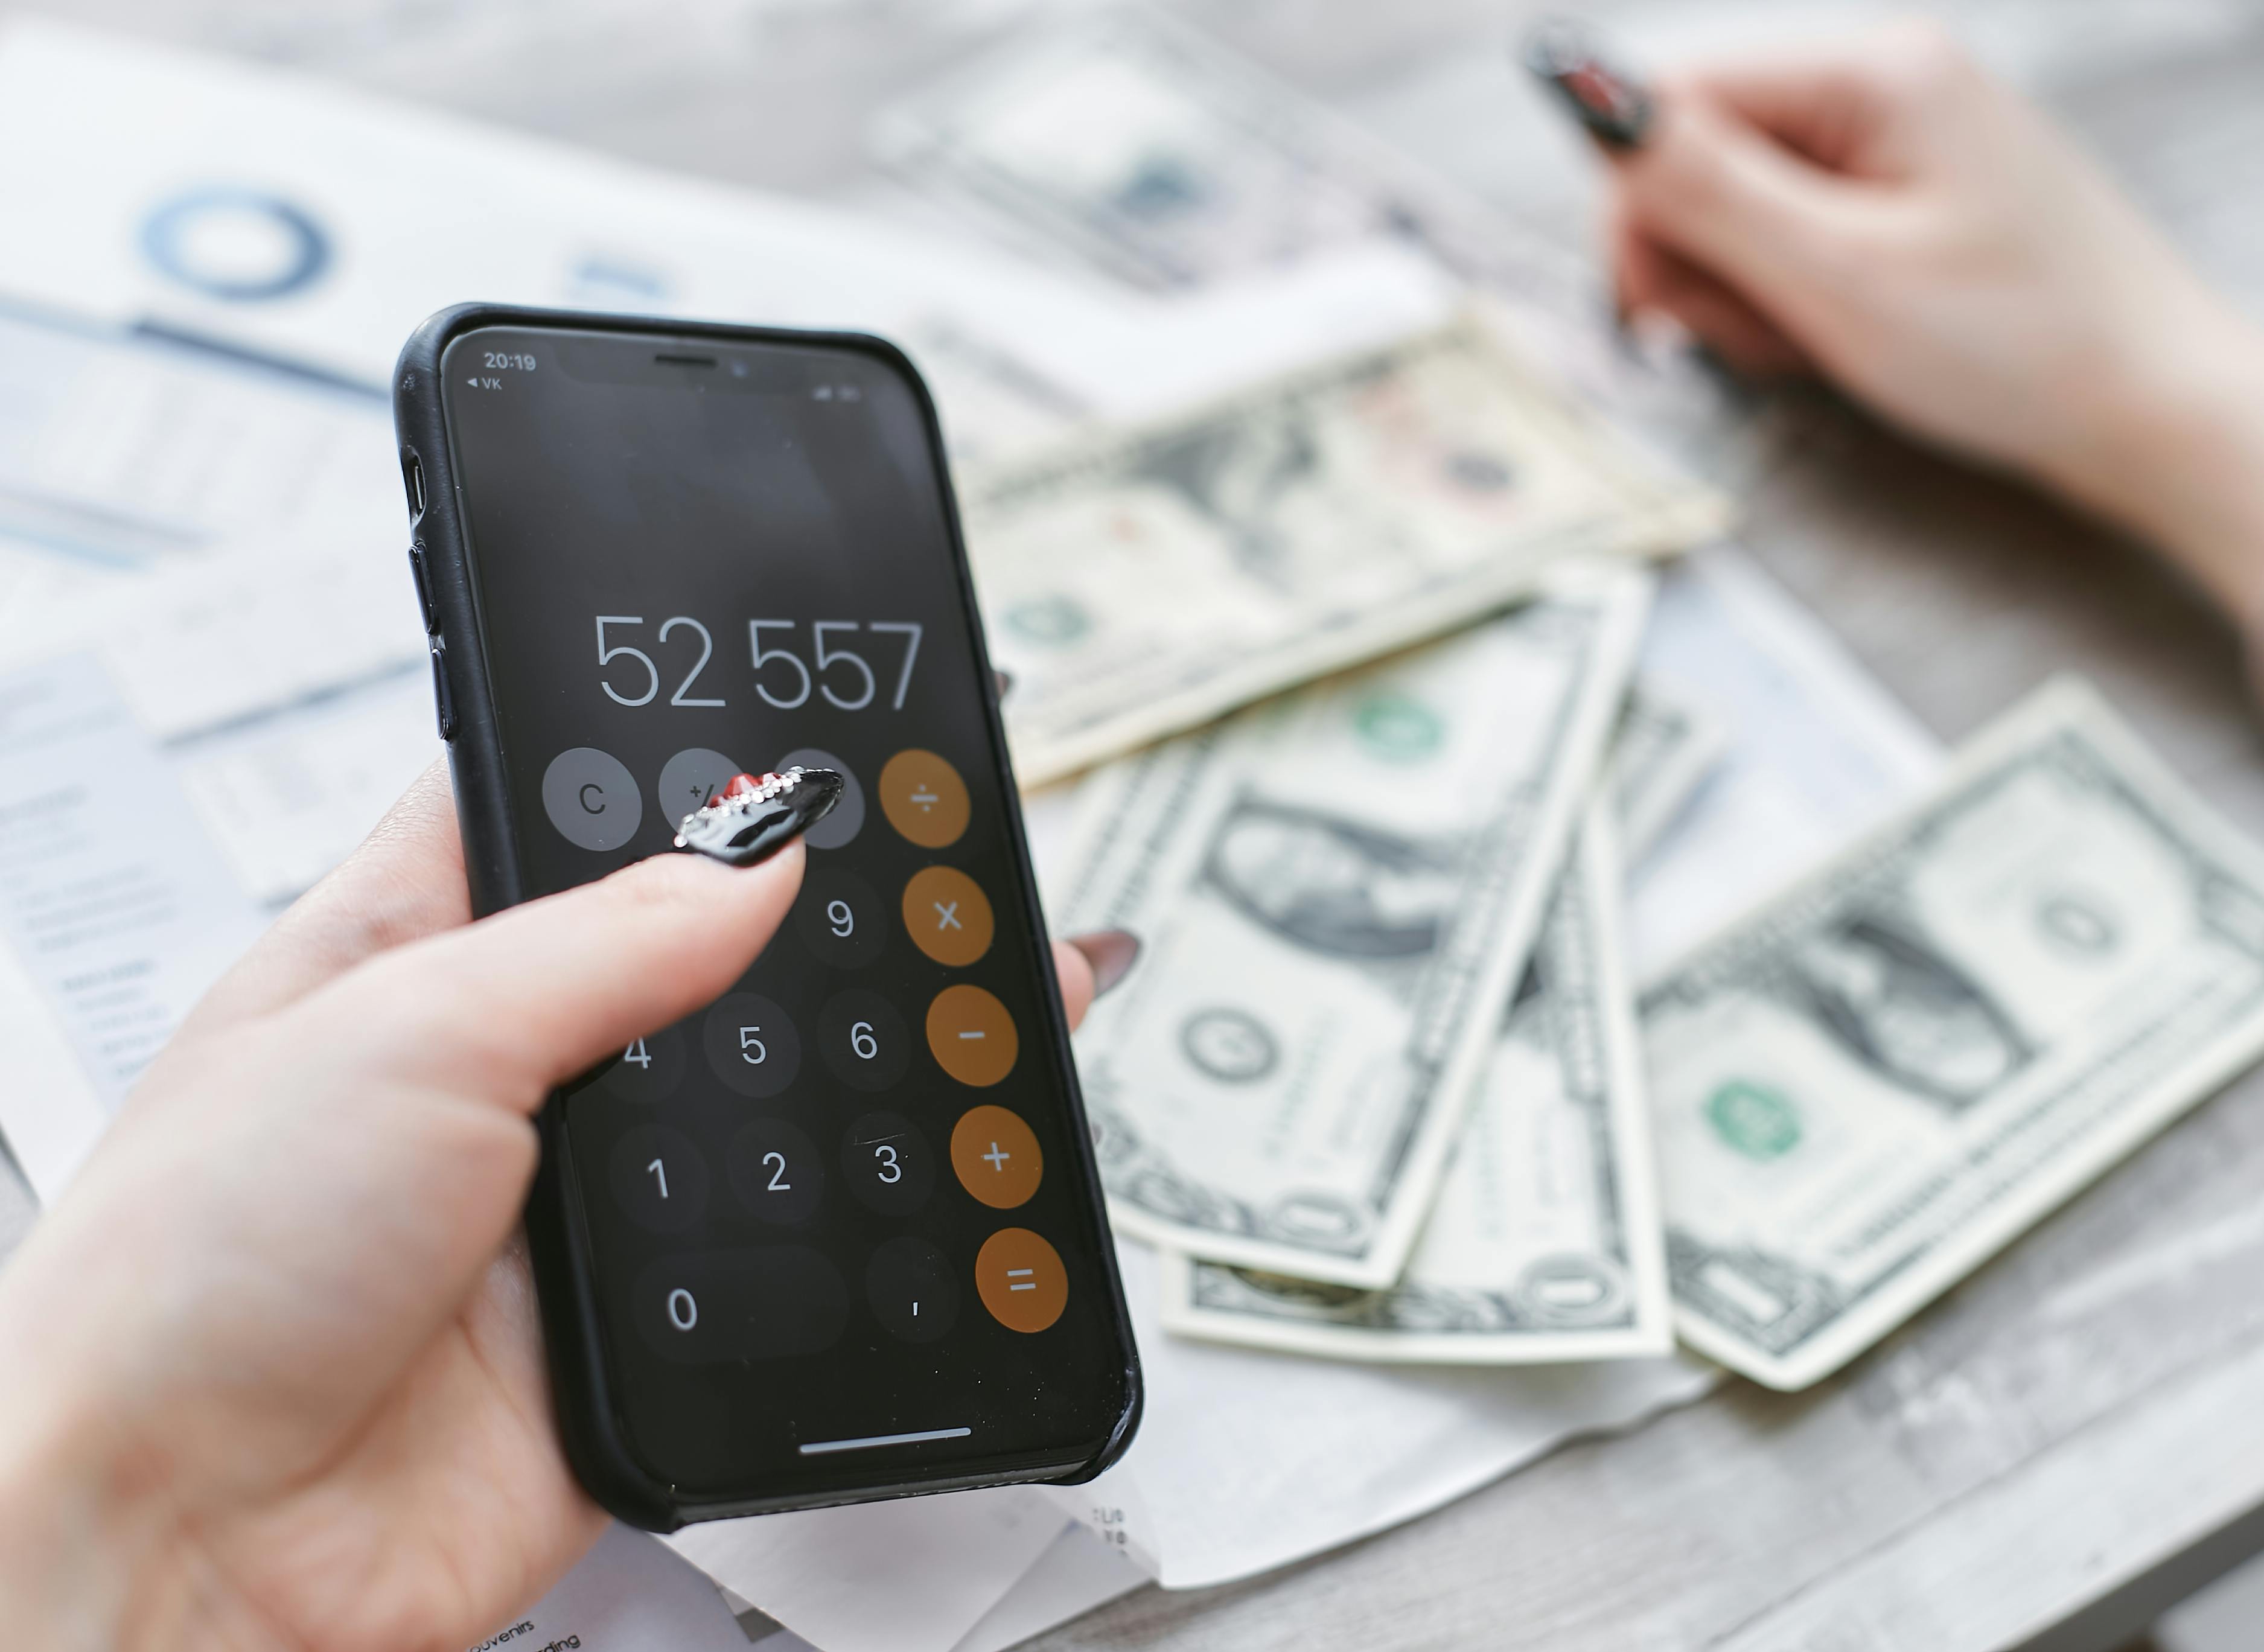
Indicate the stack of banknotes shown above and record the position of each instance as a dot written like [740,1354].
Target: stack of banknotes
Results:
[1346,662]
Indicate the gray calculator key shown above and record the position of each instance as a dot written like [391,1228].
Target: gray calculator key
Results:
[591,799]
[842,822]
[688,779]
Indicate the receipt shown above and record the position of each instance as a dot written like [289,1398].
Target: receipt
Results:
[630,1594]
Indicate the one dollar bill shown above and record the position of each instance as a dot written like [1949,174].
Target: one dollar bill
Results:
[1869,1086]
[1336,890]
[1141,583]
[1544,1244]
[1662,752]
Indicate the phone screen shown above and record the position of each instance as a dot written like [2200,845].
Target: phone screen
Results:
[839,1233]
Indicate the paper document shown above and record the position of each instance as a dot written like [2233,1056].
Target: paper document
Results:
[1080,1571]
[117,910]
[1247,1461]
[1812,749]
[914,1575]
[628,1594]
[163,197]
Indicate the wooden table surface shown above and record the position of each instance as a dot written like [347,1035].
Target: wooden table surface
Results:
[2075,1437]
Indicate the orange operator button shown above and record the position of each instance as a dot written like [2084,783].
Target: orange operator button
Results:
[924,798]
[948,915]
[997,1156]
[1021,1279]
[972,1035]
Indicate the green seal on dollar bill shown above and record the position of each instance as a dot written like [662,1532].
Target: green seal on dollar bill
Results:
[1753,1119]
[1396,728]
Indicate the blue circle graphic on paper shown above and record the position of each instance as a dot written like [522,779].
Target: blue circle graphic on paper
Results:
[243,245]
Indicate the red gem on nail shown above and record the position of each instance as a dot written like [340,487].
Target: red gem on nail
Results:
[738,786]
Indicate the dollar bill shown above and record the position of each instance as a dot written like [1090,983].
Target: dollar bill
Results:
[1145,583]
[1663,750]
[1869,1086]
[1336,890]
[1544,1245]
[1136,144]
[1143,146]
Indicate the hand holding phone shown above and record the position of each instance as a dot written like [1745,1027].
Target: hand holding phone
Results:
[840,1234]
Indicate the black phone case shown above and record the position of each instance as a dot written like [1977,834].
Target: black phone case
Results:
[557,1235]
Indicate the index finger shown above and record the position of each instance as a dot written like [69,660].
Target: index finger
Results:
[520,1002]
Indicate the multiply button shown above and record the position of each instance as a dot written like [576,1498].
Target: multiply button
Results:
[949,916]
[971,1035]
[997,1156]
[1020,1279]
[924,798]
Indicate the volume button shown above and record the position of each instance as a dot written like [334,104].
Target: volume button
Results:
[424,578]
[443,706]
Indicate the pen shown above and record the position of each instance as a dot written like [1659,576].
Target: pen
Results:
[1612,105]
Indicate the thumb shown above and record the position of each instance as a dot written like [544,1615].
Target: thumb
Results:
[517,1003]
[1725,196]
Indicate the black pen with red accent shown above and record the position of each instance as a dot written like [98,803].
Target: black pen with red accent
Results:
[1612,105]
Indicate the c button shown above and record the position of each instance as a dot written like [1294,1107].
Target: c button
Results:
[591,799]
[1021,1279]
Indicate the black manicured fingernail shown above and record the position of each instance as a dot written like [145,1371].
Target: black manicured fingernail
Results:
[750,820]
[1111,953]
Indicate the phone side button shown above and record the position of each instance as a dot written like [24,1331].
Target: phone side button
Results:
[423,574]
[443,706]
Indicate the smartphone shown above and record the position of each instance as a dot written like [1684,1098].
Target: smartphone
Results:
[840,1234]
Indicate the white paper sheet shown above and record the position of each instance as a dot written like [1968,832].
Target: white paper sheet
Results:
[165,193]
[630,1594]
[116,910]
[1079,1571]
[1816,750]
[911,1576]
[286,797]
[1247,1461]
